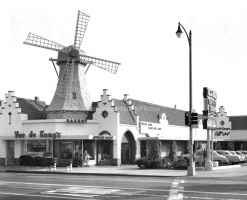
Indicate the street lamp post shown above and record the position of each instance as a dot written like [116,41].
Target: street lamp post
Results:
[191,168]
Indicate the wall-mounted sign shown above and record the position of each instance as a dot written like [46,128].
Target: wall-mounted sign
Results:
[42,134]
[152,129]
[103,137]
[223,128]
[209,112]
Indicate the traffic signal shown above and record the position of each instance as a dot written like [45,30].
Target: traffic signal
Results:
[194,118]
[187,118]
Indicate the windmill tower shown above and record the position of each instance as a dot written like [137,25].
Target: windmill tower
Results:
[71,99]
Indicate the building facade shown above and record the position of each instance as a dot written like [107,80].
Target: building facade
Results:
[114,132]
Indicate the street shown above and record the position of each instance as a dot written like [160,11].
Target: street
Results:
[57,186]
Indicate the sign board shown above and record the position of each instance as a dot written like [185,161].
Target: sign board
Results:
[223,128]
[209,99]
[152,129]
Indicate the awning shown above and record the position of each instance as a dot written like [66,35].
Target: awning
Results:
[63,137]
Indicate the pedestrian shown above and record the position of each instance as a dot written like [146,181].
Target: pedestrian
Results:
[86,156]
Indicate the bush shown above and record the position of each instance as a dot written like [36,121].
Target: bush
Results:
[143,162]
[173,151]
[181,164]
[26,160]
[154,163]
[155,150]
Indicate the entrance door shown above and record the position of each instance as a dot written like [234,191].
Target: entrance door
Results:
[125,153]
[10,152]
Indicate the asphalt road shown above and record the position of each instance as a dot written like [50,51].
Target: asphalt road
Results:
[56,186]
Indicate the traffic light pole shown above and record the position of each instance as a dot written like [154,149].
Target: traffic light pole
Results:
[191,168]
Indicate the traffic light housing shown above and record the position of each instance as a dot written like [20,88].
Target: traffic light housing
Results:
[187,118]
[194,118]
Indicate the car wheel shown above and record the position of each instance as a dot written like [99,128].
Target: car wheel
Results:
[230,162]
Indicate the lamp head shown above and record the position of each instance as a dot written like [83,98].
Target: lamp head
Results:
[179,31]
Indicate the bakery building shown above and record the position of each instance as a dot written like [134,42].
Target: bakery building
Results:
[114,131]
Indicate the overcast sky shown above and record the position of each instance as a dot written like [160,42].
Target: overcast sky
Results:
[141,36]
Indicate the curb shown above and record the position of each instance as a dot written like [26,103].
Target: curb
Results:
[79,173]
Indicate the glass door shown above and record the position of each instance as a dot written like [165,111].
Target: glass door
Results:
[66,149]
[10,152]
[125,153]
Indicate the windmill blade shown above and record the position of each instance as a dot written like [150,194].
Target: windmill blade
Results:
[103,64]
[38,41]
[81,26]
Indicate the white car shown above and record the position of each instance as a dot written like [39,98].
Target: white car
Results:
[231,157]
[198,156]
[238,154]
[244,153]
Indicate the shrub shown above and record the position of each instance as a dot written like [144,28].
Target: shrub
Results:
[26,160]
[173,151]
[181,164]
[37,161]
[155,150]
[143,162]
[199,146]
[154,163]
[187,147]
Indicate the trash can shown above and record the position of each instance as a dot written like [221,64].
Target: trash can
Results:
[215,164]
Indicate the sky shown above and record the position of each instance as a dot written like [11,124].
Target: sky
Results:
[141,36]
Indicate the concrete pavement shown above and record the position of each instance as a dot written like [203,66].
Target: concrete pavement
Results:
[133,170]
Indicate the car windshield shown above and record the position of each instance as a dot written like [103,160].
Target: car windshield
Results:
[233,152]
[238,153]
[229,153]
[244,152]
[220,153]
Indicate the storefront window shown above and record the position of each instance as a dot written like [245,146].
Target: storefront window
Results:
[105,150]
[36,147]
[90,146]
[66,150]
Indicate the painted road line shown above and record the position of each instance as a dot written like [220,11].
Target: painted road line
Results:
[86,178]
[176,192]
[36,195]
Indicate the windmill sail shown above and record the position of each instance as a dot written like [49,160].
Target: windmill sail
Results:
[107,65]
[81,26]
[38,41]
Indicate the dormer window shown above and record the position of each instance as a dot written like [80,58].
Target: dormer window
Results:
[73,95]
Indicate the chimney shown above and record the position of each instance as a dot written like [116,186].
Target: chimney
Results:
[36,98]
[105,92]
[126,96]
[175,106]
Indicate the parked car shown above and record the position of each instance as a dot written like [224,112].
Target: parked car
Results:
[238,154]
[232,158]
[243,153]
[198,156]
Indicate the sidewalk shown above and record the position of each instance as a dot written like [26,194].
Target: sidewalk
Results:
[132,170]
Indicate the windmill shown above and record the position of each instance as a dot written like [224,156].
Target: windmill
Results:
[71,99]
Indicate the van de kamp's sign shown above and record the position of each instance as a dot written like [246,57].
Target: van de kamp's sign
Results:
[42,134]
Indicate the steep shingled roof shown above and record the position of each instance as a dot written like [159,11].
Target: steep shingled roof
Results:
[33,108]
[238,122]
[149,112]
[126,117]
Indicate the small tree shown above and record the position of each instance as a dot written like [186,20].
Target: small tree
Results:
[187,147]
[155,150]
[199,147]
[173,151]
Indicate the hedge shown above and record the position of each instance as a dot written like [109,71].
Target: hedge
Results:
[28,160]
